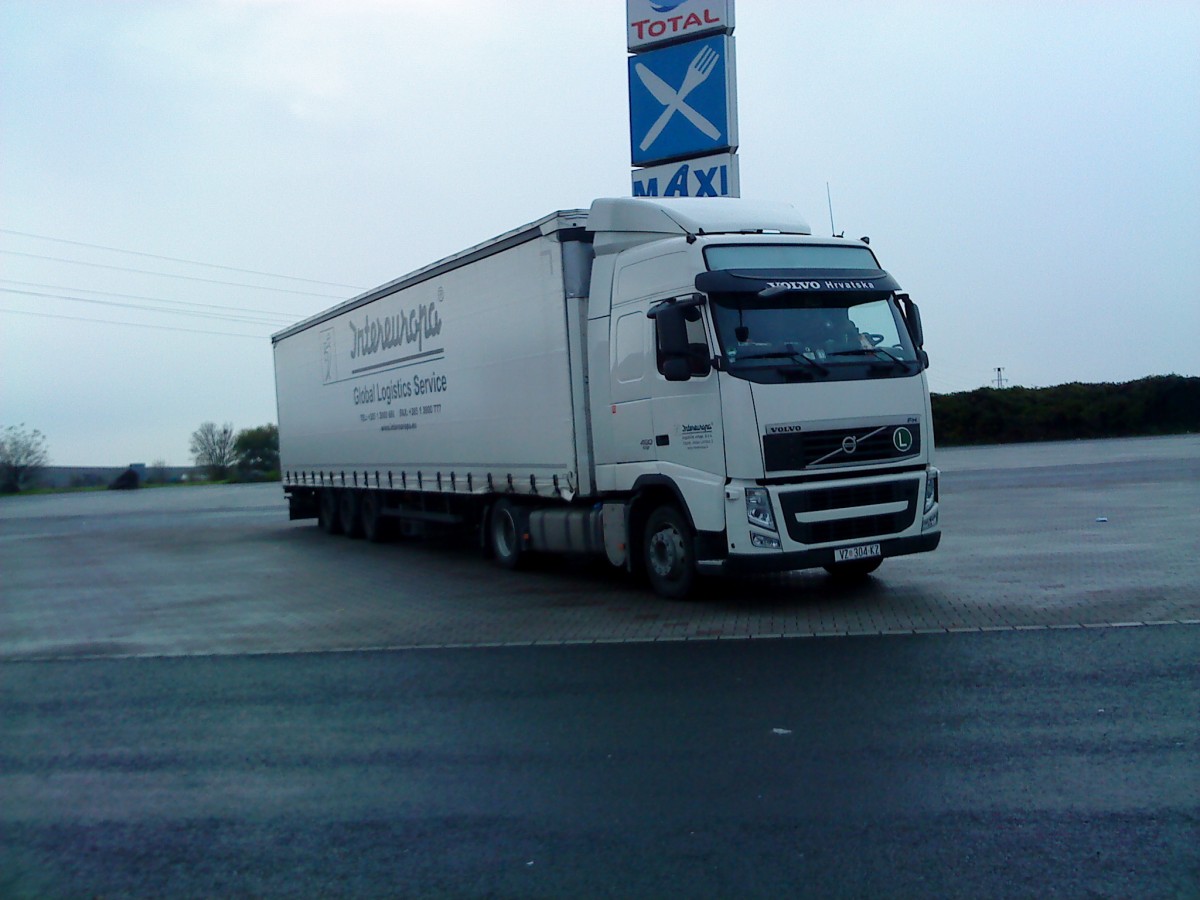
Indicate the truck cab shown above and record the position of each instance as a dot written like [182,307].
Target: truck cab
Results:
[766,405]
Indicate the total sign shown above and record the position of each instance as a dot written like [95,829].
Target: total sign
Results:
[682,101]
[667,21]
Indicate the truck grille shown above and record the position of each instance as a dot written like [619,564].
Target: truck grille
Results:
[840,447]
[850,527]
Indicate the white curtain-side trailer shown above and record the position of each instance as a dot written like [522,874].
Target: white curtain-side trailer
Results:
[682,386]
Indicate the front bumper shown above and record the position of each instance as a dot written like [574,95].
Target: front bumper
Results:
[760,563]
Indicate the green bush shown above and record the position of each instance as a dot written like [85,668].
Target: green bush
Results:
[1163,404]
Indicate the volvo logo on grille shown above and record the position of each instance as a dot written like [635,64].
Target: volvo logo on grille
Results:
[849,444]
[902,439]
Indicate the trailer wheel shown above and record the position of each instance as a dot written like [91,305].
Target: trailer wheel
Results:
[504,533]
[848,572]
[374,523]
[348,514]
[327,512]
[668,553]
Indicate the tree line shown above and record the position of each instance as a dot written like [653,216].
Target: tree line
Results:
[1162,404]
[22,455]
[251,454]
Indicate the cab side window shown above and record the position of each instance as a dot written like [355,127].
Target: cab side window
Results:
[629,352]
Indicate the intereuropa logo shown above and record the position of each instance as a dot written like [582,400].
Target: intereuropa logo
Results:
[410,326]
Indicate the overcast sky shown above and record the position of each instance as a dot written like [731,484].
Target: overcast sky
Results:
[1030,172]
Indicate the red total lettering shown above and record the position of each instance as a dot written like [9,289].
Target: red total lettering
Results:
[658,27]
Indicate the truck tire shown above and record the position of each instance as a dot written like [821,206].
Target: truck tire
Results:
[848,572]
[504,534]
[668,553]
[327,512]
[348,513]
[374,523]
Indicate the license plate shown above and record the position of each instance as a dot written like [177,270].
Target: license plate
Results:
[849,554]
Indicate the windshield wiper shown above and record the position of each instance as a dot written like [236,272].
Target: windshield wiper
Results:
[862,351]
[794,355]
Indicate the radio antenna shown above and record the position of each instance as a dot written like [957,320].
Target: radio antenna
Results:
[829,197]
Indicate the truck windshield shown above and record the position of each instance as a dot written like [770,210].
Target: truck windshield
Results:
[825,336]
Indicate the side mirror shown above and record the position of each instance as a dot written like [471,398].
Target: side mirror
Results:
[676,369]
[672,330]
[918,333]
[679,360]
[912,318]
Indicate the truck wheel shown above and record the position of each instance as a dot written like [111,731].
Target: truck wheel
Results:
[504,534]
[327,512]
[348,514]
[668,553]
[374,523]
[858,570]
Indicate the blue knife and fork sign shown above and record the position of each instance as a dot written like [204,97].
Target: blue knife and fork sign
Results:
[676,100]
[688,111]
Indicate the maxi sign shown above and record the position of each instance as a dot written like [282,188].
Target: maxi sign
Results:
[705,176]
[682,98]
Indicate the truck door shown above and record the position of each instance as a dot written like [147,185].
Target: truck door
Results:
[687,413]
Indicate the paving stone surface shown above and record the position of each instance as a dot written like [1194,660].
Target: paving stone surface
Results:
[1082,534]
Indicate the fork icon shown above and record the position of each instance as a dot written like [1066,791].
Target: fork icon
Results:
[697,72]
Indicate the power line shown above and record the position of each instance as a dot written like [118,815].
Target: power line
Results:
[252,320]
[59,287]
[191,262]
[943,380]
[20,312]
[257,287]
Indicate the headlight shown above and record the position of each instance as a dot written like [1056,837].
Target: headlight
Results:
[758,508]
[931,488]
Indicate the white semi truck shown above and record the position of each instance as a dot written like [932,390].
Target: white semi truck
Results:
[683,386]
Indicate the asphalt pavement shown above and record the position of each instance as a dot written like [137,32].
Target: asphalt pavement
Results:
[1017,764]
[201,699]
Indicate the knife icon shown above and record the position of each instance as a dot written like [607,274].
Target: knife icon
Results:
[674,100]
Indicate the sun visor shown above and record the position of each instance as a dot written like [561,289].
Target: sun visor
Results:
[786,281]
